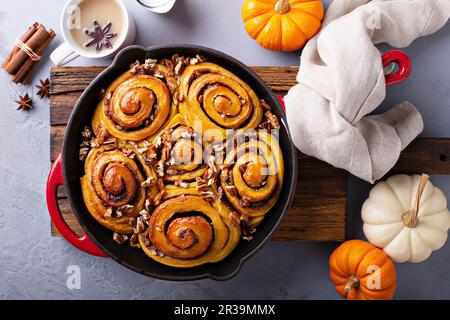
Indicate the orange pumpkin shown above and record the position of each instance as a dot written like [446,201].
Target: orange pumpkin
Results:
[282,25]
[361,271]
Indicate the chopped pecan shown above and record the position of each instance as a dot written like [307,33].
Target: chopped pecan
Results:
[194,61]
[220,193]
[86,134]
[265,105]
[175,58]
[134,241]
[102,134]
[165,153]
[201,184]
[231,190]
[143,149]
[112,142]
[140,225]
[234,218]
[148,204]
[200,58]
[218,147]
[83,153]
[120,238]
[132,221]
[212,180]
[168,63]
[160,168]
[133,144]
[171,83]
[145,215]
[244,202]
[179,67]
[150,181]
[158,142]
[127,208]
[151,155]
[208,196]
[153,251]
[208,174]
[274,123]
[159,74]
[182,184]
[107,97]
[212,163]
[108,212]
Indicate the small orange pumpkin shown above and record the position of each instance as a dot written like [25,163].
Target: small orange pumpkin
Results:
[361,271]
[282,25]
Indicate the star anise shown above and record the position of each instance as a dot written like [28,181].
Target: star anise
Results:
[24,102]
[100,36]
[43,89]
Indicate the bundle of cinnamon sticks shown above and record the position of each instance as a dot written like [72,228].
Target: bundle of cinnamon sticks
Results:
[22,59]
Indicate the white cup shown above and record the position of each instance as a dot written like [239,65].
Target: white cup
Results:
[70,50]
[158,6]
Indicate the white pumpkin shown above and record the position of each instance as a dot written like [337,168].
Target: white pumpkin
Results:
[406,216]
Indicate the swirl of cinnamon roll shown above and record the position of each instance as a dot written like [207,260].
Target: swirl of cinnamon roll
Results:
[218,98]
[180,154]
[187,231]
[113,186]
[134,108]
[252,176]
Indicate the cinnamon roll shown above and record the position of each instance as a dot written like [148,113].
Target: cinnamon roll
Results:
[135,107]
[187,231]
[113,186]
[218,99]
[252,175]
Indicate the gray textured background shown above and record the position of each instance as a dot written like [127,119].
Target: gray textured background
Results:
[33,265]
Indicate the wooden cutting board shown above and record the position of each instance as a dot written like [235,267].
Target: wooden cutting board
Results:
[318,210]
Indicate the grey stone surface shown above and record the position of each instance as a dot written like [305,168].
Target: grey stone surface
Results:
[33,265]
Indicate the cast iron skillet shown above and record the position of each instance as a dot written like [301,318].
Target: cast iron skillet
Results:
[72,169]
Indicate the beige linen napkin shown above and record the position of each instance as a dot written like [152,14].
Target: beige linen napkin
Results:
[341,80]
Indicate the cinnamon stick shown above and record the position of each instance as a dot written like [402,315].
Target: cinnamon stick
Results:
[24,38]
[18,63]
[20,57]
[25,72]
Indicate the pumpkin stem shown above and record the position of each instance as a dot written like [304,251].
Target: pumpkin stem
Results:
[353,282]
[410,218]
[282,6]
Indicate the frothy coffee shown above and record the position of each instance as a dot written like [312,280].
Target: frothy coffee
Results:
[94,16]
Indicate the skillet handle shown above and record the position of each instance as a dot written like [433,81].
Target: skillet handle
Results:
[55,179]
[404,66]
[281,101]
[394,56]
